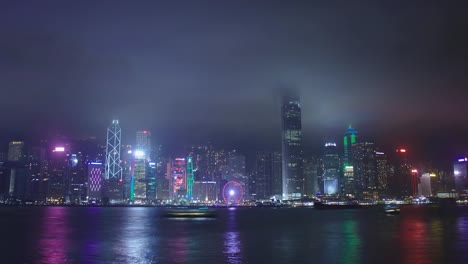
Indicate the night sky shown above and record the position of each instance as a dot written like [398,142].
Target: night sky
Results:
[197,70]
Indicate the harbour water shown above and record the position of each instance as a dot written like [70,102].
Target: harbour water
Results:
[420,234]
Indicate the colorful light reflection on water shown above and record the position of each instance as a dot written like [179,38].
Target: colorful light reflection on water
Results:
[142,235]
[54,240]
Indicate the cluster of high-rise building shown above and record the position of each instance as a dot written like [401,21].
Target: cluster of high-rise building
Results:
[78,171]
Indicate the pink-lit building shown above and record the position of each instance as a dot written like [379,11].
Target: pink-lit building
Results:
[178,177]
[95,180]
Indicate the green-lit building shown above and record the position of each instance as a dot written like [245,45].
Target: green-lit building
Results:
[349,139]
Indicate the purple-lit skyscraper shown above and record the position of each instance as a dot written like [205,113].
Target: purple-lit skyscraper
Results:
[95,181]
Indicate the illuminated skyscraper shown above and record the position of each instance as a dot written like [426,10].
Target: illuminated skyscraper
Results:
[143,142]
[460,172]
[95,181]
[151,181]
[312,169]
[331,166]
[277,179]
[56,180]
[204,191]
[424,185]
[236,170]
[263,175]
[16,151]
[348,183]
[178,178]
[382,172]
[199,154]
[364,168]
[291,135]
[113,168]
[349,139]
[190,177]
[402,180]
[139,178]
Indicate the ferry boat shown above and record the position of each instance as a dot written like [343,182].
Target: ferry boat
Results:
[325,206]
[392,209]
[202,212]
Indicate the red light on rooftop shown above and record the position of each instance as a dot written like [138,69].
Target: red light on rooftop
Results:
[414,171]
[403,150]
[145,131]
[120,180]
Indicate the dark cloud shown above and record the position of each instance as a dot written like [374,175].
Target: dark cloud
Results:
[193,70]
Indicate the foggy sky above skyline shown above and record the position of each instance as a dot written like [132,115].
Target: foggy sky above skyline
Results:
[191,71]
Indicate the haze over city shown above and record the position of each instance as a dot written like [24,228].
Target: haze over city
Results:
[209,70]
[249,131]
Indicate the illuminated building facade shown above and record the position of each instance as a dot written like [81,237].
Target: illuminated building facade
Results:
[291,148]
[364,164]
[424,186]
[139,178]
[113,169]
[14,178]
[163,179]
[178,177]
[311,173]
[460,174]
[95,181]
[56,180]
[235,170]
[331,169]
[190,177]
[382,171]
[16,151]
[277,179]
[263,175]
[199,154]
[348,182]
[127,170]
[143,142]
[204,191]
[76,175]
[402,180]
[151,181]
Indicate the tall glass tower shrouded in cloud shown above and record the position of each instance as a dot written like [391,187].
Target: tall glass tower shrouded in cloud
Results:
[291,137]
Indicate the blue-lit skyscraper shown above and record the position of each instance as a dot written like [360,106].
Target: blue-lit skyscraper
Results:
[113,170]
[291,135]
[331,166]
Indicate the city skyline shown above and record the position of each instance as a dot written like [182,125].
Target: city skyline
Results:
[393,73]
[246,131]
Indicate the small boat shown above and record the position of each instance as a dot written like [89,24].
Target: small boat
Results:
[325,206]
[203,212]
[392,209]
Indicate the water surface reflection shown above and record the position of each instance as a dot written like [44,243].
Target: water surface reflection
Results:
[141,235]
[53,243]
[232,243]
